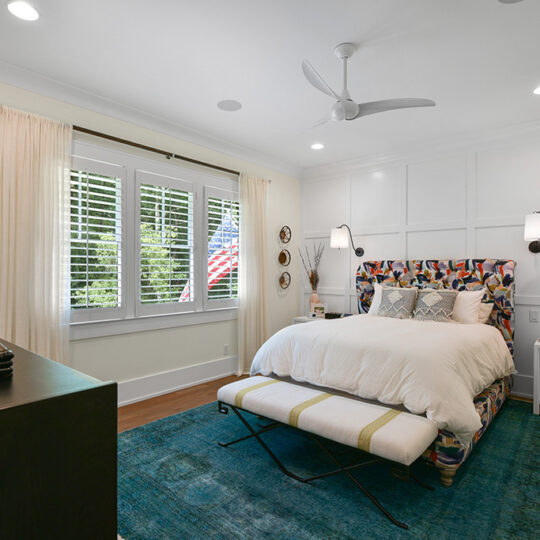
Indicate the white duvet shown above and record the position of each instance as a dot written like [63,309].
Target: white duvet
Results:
[429,367]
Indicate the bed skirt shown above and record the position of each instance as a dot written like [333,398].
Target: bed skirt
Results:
[446,452]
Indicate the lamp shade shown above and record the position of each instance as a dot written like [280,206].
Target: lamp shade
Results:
[532,227]
[339,238]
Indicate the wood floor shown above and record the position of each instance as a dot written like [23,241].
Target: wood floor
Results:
[143,412]
[146,411]
[519,398]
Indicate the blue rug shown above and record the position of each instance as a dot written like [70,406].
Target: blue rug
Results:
[174,482]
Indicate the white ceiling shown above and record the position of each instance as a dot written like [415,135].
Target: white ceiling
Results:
[175,59]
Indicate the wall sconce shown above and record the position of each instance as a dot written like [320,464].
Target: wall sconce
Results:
[532,231]
[340,239]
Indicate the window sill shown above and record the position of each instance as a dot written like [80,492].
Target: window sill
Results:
[94,329]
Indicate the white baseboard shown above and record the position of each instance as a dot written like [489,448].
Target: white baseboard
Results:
[523,386]
[157,384]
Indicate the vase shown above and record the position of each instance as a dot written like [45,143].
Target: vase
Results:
[314,299]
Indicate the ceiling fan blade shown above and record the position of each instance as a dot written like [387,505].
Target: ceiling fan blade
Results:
[316,80]
[321,122]
[374,107]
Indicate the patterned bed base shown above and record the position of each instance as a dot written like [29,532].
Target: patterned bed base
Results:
[446,452]
[496,277]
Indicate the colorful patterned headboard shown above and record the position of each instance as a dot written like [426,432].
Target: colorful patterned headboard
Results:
[496,276]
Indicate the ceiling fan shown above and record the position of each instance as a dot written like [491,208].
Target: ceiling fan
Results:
[347,109]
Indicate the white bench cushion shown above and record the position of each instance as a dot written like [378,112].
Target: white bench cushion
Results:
[398,436]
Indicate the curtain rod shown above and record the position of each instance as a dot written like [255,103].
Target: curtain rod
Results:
[168,155]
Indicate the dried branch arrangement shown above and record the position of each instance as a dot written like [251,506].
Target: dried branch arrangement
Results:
[311,265]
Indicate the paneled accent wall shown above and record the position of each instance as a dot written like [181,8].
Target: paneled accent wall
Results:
[463,203]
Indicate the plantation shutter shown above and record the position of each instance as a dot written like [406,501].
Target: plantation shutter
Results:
[96,240]
[166,243]
[223,220]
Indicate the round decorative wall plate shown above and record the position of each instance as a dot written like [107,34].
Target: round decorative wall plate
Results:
[284,280]
[285,234]
[284,257]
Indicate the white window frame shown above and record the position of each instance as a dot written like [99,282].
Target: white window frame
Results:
[218,193]
[115,171]
[145,177]
[131,317]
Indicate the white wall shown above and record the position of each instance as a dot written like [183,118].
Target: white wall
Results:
[143,355]
[468,201]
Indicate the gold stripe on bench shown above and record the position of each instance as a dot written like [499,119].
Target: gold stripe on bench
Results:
[298,409]
[240,395]
[364,439]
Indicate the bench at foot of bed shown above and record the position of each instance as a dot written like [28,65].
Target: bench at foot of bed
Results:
[381,433]
[394,435]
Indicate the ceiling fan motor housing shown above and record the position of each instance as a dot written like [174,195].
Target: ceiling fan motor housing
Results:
[344,50]
[345,109]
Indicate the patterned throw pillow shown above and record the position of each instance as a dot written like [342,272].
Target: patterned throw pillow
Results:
[397,302]
[435,305]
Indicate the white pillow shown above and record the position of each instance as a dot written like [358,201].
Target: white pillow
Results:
[467,306]
[376,300]
[484,312]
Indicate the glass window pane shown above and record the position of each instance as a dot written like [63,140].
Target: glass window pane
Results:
[96,238]
[166,240]
[223,232]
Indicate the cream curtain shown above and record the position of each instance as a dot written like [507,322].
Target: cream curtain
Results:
[252,318]
[35,156]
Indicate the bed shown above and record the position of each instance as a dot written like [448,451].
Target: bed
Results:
[475,361]
[497,277]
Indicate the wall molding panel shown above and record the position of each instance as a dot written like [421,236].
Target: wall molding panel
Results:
[463,202]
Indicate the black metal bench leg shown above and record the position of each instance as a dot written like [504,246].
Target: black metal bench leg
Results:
[404,472]
[364,490]
[341,469]
[377,503]
[261,425]
[262,443]
[268,427]
[422,484]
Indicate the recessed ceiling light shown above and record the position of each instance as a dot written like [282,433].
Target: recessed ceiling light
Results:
[317,146]
[229,105]
[509,1]
[537,91]
[23,10]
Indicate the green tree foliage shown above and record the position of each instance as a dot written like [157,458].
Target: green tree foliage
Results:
[166,239]
[103,287]
[163,269]
[95,233]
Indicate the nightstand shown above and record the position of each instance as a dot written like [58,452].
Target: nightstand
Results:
[304,319]
[536,390]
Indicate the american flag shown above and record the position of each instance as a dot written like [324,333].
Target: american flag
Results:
[222,254]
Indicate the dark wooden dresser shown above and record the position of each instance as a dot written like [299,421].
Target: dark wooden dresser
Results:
[58,430]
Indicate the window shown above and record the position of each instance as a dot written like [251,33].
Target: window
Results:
[166,257]
[150,238]
[223,222]
[96,237]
